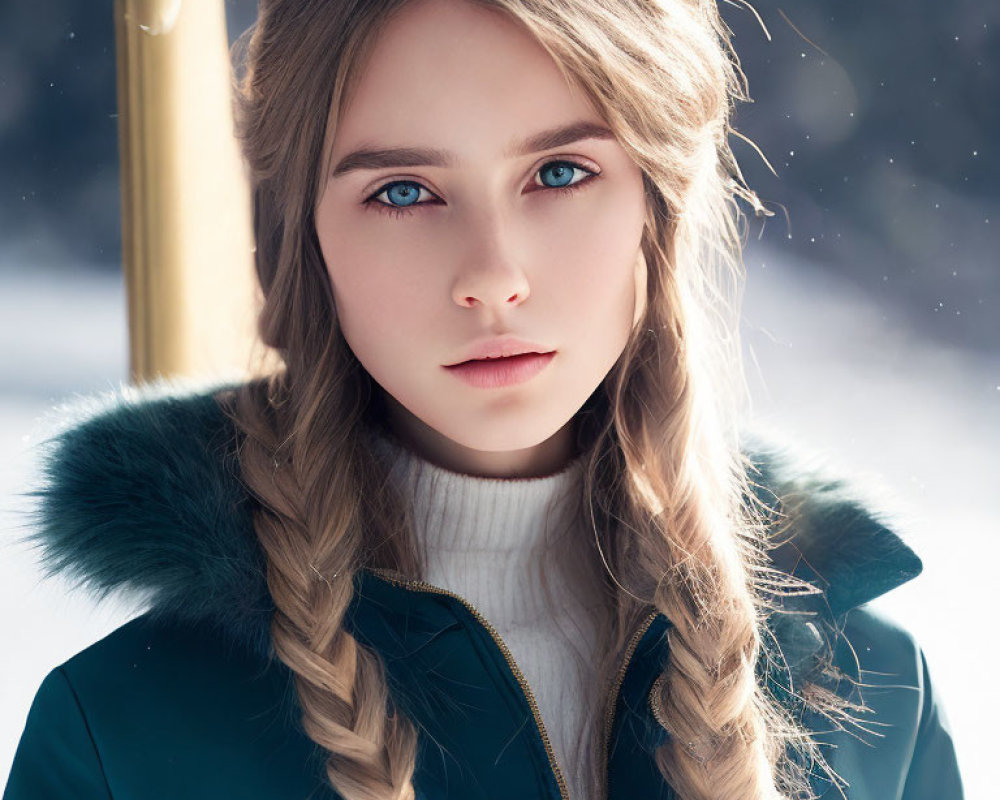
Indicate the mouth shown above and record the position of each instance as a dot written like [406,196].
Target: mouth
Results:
[494,373]
[500,349]
[521,356]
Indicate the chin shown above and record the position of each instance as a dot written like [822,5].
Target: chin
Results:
[519,432]
[499,441]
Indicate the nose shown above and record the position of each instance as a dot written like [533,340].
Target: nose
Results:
[491,278]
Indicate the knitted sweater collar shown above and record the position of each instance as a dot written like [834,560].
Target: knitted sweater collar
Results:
[455,511]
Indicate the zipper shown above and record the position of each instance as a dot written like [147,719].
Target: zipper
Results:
[394,578]
[397,580]
[655,707]
[609,717]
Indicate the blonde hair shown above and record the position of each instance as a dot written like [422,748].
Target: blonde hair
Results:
[665,488]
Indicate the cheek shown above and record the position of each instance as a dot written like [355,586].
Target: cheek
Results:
[378,285]
[592,252]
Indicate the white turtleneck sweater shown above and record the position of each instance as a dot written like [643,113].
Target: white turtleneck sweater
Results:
[497,543]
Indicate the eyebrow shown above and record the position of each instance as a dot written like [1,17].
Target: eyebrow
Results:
[395,157]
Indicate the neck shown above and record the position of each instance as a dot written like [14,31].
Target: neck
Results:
[544,458]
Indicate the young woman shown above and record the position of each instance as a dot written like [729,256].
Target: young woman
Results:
[490,532]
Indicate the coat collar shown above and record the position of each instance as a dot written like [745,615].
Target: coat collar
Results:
[140,493]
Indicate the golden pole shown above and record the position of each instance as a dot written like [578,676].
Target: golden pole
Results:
[187,245]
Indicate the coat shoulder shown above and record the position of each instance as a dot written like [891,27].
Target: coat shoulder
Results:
[160,709]
[178,672]
[882,637]
[898,742]
[150,653]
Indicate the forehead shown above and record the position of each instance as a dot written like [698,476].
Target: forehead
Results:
[457,76]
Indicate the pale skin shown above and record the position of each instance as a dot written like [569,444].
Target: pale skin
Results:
[490,245]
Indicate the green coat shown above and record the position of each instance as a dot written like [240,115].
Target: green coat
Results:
[188,700]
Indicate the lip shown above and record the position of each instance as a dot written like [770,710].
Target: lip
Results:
[500,347]
[499,372]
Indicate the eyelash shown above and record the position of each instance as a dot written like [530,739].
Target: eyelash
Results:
[401,211]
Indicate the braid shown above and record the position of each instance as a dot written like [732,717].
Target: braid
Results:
[306,525]
[707,696]
[692,555]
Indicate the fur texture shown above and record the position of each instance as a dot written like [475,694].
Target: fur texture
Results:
[141,495]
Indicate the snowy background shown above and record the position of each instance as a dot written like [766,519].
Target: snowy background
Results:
[872,316]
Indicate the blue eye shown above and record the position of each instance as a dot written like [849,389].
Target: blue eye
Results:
[403,195]
[562,171]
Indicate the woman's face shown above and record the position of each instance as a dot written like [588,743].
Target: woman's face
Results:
[431,253]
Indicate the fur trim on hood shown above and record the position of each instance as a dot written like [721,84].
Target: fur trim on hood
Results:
[141,495]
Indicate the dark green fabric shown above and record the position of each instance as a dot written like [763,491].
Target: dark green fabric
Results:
[56,756]
[164,712]
[902,747]
[189,701]
[157,711]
